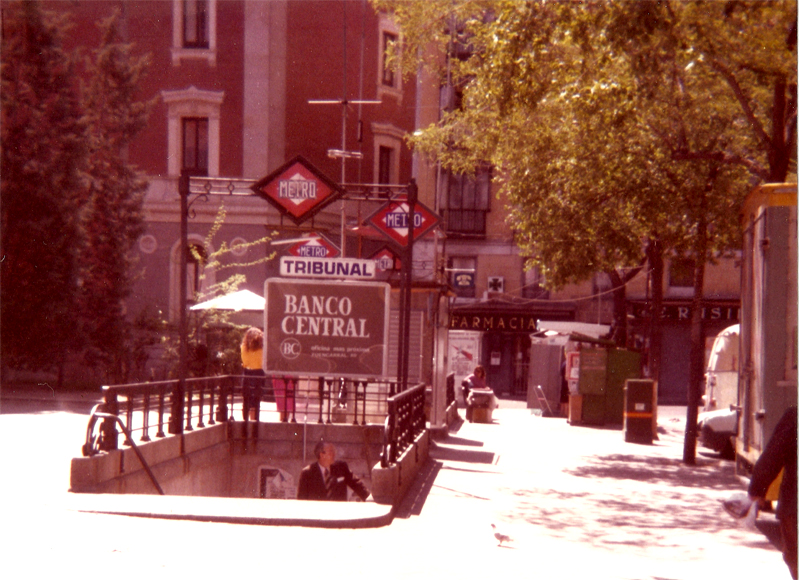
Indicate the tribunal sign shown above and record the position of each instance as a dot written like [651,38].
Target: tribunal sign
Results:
[348,268]
[326,328]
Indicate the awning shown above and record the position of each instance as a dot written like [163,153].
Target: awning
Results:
[579,328]
[237,301]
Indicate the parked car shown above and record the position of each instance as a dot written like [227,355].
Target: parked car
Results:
[718,422]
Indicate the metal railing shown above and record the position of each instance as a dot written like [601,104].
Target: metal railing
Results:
[148,410]
[404,421]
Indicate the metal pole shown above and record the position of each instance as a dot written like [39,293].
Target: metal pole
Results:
[407,269]
[176,417]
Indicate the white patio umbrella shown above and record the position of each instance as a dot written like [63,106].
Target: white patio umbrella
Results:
[237,301]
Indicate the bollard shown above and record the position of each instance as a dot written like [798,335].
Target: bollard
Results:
[638,414]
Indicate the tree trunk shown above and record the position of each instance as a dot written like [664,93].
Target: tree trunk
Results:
[698,349]
[620,328]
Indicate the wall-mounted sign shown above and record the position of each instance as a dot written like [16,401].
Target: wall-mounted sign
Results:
[316,246]
[297,189]
[392,220]
[326,328]
[493,321]
[463,280]
[327,268]
[725,311]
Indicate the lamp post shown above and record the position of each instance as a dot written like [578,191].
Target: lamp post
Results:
[178,394]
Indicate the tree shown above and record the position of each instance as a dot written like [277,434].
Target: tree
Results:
[71,204]
[113,214]
[43,147]
[619,130]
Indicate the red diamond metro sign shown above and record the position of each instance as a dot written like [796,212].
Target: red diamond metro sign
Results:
[392,221]
[297,189]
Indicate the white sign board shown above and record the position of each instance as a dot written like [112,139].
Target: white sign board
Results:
[348,268]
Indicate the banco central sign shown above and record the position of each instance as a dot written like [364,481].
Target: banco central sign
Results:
[317,327]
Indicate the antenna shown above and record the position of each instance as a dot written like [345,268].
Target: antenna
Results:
[343,153]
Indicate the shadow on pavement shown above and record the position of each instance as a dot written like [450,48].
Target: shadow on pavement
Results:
[418,492]
[445,453]
[660,470]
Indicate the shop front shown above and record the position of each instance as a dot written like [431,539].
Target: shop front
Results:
[673,379]
[503,332]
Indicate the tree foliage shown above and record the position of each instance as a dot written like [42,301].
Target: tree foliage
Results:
[113,217]
[71,203]
[620,130]
[43,148]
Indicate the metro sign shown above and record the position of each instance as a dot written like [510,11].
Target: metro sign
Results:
[315,247]
[392,220]
[386,260]
[297,189]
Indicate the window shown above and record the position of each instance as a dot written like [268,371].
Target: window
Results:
[466,202]
[387,140]
[384,165]
[195,24]
[389,41]
[462,275]
[194,31]
[195,145]
[681,277]
[389,78]
[193,130]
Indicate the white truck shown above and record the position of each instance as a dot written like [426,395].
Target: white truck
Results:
[719,419]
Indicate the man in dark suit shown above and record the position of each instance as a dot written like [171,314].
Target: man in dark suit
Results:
[328,479]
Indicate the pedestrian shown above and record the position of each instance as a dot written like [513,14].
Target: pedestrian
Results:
[477,380]
[252,347]
[283,387]
[328,479]
[781,454]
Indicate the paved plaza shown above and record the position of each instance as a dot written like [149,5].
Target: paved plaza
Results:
[579,502]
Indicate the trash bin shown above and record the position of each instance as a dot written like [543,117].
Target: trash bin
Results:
[638,415]
[480,404]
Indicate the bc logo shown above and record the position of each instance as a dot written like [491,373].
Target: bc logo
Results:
[290,348]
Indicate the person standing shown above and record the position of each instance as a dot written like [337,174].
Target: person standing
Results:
[252,347]
[781,454]
[328,479]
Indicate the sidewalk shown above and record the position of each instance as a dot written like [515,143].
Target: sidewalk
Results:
[584,496]
[579,502]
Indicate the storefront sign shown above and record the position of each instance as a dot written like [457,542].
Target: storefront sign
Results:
[494,321]
[683,312]
[326,328]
